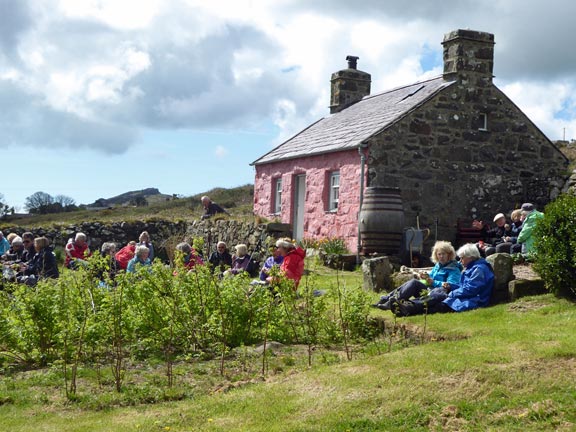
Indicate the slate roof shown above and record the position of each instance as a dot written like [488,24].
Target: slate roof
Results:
[346,129]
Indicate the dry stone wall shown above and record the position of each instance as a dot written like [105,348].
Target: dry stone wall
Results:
[164,233]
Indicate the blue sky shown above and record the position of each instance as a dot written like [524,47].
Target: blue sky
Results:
[99,97]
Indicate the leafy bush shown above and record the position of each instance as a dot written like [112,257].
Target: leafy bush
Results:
[333,246]
[555,246]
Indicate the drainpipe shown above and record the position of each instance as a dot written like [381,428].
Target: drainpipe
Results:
[361,151]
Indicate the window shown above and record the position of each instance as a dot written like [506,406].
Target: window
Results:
[483,126]
[334,192]
[278,195]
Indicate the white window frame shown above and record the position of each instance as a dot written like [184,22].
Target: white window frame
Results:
[483,122]
[278,195]
[334,191]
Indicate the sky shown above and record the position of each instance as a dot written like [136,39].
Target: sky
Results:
[101,97]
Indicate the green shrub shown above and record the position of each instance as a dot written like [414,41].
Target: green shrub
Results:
[333,246]
[555,246]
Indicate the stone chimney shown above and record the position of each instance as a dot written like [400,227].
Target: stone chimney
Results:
[469,57]
[348,86]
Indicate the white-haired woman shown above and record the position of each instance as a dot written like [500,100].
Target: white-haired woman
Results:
[77,251]
[140,259]
[144,240]
[443,278]
[474,290]
[241,261]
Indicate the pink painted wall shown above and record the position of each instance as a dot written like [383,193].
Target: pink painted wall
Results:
[318,221]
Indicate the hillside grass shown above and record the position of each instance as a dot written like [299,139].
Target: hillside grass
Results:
[237,201]
[509,367]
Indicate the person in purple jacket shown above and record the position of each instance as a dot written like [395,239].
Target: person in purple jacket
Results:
[474,290]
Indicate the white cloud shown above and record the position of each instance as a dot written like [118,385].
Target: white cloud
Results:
[220,151]
[236,65]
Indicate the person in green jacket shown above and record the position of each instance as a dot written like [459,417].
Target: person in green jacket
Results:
[526,237]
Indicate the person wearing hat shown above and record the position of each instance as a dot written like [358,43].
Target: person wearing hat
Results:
[526,237]
[492,237]
[511,245]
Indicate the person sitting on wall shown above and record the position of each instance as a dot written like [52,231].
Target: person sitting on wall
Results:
[473,291]
[491,237]
[443,278]
[42,265]
[526,237]
[77,251]
[211,208]
[189,255]
[293,265]
[241,262]
[140,259]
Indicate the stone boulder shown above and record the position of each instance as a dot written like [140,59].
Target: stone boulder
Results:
[376,273]
[502,264]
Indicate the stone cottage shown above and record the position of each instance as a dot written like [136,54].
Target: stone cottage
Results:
[456,146]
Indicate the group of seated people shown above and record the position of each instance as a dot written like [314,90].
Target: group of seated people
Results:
[30,259]
[451,286]
[509,237]
[27,259]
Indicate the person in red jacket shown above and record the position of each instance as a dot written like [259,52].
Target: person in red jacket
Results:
[293,265]
[124,255]
[77,251]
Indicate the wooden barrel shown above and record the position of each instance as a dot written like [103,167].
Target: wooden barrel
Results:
[381,221]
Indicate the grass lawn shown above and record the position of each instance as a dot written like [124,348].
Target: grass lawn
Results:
[508,367]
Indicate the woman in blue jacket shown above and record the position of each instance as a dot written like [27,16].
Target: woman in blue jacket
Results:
[443,278]
[474,290]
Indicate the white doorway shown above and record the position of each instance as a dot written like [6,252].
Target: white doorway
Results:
[299,202]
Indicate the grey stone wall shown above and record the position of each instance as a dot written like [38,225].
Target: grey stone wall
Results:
[447,168]
[164,234]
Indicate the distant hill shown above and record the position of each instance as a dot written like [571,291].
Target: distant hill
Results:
[141,197]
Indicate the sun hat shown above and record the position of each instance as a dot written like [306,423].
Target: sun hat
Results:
[498,216]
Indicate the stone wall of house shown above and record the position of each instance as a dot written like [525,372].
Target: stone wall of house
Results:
[448,168]
[164,234]
[319,222]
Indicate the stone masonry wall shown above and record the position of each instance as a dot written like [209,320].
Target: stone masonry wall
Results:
[447,168]
[319,222]
[163,233]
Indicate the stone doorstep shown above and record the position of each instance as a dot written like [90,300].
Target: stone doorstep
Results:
[525,287]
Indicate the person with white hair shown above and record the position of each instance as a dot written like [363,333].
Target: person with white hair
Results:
[474,290]
[140,259]
[526,237]
[210,208]
[16,250]
[77,251]
[144,240]
[241,262]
